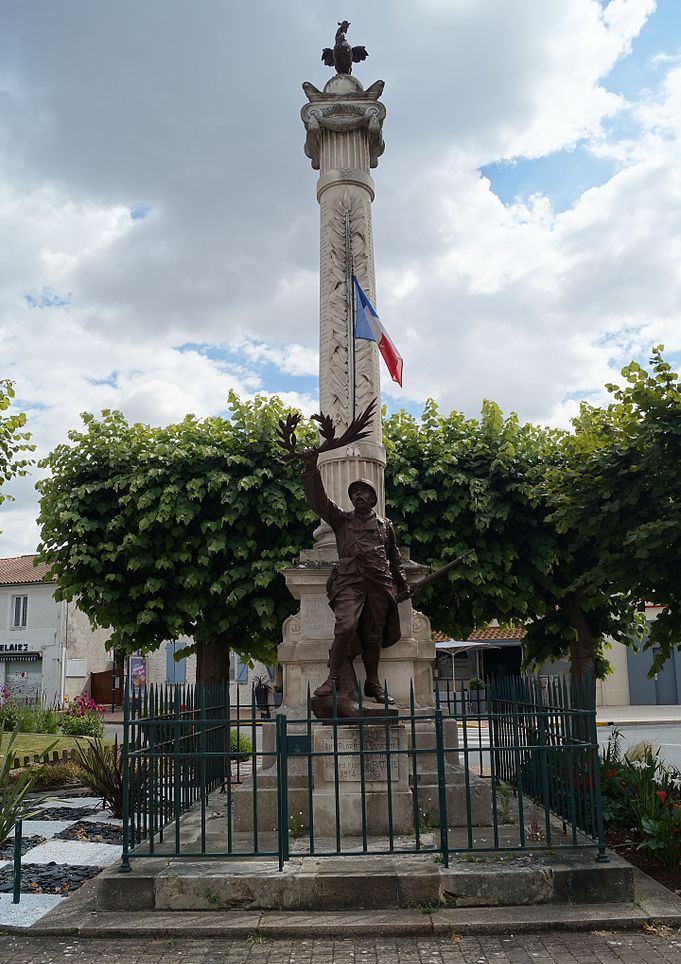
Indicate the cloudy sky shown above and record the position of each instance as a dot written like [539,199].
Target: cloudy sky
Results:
[159,227]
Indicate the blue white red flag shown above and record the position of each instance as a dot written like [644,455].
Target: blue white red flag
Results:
[368,326]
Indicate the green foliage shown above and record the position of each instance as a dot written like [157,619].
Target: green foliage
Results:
[13,792]
[89,724]
[180,530]
[456,484]
[617,487]
[14,441]
[51,775]
[642,794]
[240,743]
[28,716]
[101,770]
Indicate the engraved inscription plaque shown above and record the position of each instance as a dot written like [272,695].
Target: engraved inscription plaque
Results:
[316,617]
[349,763]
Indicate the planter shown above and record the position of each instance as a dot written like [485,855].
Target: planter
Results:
[262,696]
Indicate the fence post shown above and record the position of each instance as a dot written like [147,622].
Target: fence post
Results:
[125,861]
[16,891]
[442,788]
[282,791]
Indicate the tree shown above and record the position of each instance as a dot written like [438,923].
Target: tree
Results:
[182,530]
[13,440]
[456,484]
[617,487]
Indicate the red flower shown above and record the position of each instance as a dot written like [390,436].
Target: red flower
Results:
[661,795]
[623,783]
[612,773]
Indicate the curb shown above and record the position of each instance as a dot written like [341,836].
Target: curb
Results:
[625,723]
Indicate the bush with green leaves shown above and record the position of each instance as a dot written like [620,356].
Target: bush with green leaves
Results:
[240,743]
[641,794]
[90,724]
[29,716]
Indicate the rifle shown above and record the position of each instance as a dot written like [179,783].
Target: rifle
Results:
[426,581]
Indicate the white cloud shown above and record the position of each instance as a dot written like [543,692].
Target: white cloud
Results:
[106,109]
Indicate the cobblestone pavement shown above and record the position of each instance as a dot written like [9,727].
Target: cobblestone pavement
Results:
[601,947]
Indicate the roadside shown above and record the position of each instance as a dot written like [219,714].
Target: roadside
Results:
[639,715]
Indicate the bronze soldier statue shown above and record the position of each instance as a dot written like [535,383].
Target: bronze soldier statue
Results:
[368,581]
[364,587]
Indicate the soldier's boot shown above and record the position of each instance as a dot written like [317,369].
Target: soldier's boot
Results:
[336,661]
[372,687]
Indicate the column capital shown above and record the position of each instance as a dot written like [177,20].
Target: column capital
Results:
[343,106]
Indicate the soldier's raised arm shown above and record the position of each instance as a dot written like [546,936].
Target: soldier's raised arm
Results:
[315,493]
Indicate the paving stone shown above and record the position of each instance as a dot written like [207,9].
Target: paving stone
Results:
[554,948]
[43,828]
[75,852]
[30,909]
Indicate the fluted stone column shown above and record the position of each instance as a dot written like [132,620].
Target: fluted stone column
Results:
[344,140]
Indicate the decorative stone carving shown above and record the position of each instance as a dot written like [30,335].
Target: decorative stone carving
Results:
[351,108]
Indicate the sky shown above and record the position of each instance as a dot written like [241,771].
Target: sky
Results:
[159,229]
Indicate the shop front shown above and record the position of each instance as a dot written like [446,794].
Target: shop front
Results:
[21,670]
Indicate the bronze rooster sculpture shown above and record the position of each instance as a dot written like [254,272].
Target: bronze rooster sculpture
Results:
[342,56]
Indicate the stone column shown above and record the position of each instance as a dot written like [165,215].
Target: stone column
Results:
[344,140]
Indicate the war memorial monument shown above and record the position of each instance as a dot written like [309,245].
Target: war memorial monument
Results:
[408,803]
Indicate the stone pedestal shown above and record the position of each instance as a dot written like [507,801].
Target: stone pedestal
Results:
[376,768]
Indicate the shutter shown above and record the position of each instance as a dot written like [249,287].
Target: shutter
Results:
[241,671]
[170,663]
[181,671]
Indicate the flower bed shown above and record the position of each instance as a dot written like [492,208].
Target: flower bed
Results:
[80,716]
[642,809]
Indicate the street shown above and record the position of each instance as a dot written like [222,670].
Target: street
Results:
[666,736]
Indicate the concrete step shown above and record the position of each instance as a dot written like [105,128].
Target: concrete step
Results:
[78,917]
[354,883]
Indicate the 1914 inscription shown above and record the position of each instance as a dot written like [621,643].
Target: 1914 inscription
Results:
[350,760]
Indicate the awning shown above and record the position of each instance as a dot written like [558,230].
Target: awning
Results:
[455,646]
[20,657]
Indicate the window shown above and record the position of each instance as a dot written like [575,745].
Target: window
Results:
[19,611]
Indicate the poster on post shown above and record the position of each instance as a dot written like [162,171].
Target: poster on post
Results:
[137,674]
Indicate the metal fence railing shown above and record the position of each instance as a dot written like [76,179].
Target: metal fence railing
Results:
[515,770]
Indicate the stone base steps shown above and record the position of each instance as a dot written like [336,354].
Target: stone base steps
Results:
[357,883]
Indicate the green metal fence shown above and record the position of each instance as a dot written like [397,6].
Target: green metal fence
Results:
[517,770]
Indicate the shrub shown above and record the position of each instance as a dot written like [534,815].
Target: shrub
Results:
[51,775]
[31,716]
[240,743]
[82,717]
[641,793]
[91,724]
[101,770]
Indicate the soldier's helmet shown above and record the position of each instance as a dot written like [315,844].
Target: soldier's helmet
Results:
[363,482]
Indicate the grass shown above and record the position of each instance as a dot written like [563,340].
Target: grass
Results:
[28,744]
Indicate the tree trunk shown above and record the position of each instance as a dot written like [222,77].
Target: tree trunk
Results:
[582,649]
[212,660]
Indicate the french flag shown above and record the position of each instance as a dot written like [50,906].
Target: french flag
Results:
[368,326]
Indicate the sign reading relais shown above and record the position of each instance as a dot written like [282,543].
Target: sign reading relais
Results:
[14,648]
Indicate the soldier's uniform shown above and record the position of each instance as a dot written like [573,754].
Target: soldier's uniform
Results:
[362,585]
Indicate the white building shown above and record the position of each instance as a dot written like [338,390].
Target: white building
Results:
[46,646]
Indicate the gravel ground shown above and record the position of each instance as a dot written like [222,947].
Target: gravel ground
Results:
[599,947]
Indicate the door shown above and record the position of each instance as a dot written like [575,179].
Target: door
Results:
[24,680]
[665,683]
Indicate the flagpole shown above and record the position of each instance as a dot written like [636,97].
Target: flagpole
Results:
[352,372]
